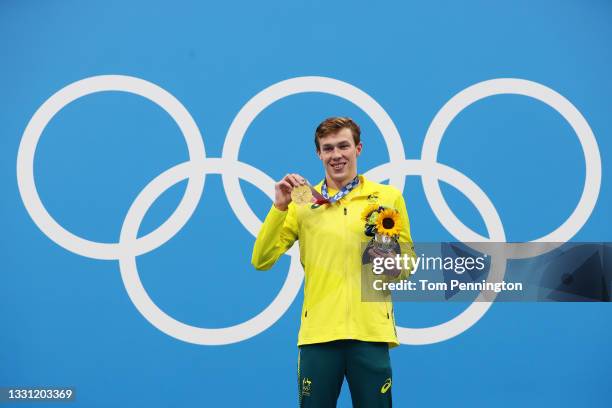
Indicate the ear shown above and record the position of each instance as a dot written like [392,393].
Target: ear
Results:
[319,154]
[358,148]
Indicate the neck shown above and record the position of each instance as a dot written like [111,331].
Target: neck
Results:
[340,183]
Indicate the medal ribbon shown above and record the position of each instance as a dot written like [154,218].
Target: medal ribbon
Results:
[343,191]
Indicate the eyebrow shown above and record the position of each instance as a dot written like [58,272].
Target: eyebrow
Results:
[344,142]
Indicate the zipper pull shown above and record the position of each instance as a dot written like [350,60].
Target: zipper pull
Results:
[344,210]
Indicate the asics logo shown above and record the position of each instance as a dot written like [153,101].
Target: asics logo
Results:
[385,386]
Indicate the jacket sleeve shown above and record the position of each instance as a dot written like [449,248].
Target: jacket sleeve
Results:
[405,239]
[277,234]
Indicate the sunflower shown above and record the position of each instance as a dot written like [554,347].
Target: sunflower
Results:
[388,223]
[365,215]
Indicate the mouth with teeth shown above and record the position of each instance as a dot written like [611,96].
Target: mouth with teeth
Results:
[338,166]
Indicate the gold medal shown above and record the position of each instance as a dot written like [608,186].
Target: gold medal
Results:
[301,195]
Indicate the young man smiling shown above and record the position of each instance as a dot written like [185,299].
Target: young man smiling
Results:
[340,335]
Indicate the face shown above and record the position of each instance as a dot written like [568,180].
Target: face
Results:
[339,156]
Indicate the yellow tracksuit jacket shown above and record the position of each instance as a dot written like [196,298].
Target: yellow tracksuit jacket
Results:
[330,239]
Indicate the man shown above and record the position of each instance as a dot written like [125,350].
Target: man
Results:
[340,335]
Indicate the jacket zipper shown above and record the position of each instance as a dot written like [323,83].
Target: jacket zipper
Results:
[346,274]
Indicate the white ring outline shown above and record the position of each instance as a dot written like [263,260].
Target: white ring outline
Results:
[46,112]
[468,317]
[136,291]
[570,113]
[293,86]
[132,246]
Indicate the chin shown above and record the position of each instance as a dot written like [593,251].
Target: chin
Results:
[339,178]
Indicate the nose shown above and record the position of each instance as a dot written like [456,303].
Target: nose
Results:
[336,154]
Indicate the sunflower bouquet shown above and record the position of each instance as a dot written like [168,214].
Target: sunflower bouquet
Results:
[383,224]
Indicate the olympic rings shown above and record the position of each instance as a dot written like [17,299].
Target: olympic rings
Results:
[592,158]
[231,170]
[138,294]
[42,117]
[293,86]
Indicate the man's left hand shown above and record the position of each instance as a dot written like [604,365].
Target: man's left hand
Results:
[378,253]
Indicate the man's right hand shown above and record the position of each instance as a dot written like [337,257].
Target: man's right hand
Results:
[282,190]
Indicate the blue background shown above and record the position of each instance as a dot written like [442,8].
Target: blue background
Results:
[67,320]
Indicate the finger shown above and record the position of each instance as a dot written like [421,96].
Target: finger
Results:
[381,253]
[294,181]
[285,186]
[389,254]
[373,253]
[288,181]
[300,179]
